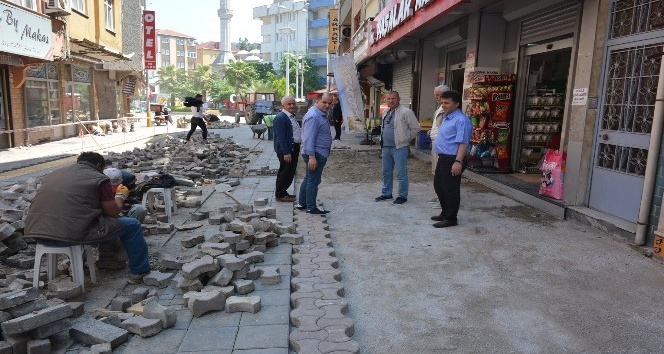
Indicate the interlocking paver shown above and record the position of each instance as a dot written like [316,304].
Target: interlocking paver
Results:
[349,346]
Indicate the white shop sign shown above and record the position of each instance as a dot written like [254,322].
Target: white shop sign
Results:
[24,33]
[580,97]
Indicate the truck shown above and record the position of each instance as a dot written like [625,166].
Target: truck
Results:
[258,104]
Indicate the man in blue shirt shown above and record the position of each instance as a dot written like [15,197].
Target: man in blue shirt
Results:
[451,146]
[316,145]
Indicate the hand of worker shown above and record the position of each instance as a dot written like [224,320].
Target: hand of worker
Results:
[122,192]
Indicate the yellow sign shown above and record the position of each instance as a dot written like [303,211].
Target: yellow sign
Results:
[333,33]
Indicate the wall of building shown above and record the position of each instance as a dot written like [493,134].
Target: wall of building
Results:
[106,96]
[111,39]
[79,27]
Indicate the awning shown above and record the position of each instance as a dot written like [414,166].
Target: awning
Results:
[92,50]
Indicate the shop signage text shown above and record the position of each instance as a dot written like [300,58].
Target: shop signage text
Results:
[333,32]
[149,40]
[24,33]
[396,13]
[9,59]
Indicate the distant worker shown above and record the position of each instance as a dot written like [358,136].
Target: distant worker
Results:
[398,127]
[198,117]
[287,139]
[336,118]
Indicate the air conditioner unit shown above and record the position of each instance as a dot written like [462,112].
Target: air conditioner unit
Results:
[58,7]
[346,32]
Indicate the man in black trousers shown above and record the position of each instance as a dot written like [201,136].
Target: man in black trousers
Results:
[287,139]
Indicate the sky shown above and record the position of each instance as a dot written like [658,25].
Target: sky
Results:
[201,20]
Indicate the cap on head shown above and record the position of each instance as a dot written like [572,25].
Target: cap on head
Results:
[114,175]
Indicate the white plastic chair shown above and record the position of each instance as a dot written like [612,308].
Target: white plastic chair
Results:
[75,254]
[169,200]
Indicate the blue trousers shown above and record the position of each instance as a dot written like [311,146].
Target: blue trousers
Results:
[133,241]
[309,186]
[392,157]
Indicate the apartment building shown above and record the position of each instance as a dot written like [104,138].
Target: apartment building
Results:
[298,27]
[53,82]
[206,53]
[176,49]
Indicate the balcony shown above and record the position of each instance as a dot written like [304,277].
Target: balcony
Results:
[317,4]
[313,43]
[321,22]
[320,62]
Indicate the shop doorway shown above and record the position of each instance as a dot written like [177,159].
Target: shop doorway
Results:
[546,75]
[456,66]
[625,121]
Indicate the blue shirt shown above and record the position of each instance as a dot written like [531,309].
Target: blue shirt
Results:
[454,130]
[316,135]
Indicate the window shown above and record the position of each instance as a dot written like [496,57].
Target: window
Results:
[180,65]
[180,41]
[30,4]
[165,39]
[79,5]
[165,62]
[77,94]
[42,97]
[166,51]
[180,53]
[108,12]
[192,55]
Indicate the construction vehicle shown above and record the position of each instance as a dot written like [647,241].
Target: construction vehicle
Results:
[258,104]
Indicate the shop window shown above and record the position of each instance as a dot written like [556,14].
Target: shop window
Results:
[42,96]
[108,13]
[77,94]
[30,4]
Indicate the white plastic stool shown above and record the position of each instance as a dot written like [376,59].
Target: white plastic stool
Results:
[75,254]
[169,200]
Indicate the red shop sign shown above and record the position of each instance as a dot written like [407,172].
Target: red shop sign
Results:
[149,40]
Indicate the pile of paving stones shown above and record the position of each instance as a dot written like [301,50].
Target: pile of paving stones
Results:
[215,270]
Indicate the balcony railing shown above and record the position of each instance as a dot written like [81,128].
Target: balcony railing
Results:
[321,22]
[317,4]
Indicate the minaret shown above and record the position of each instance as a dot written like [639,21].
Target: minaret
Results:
[225,15]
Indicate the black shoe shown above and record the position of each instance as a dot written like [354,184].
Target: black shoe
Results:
[383,197]
[445,223]
[439,217]
[399,200]
[317,211]
[300,207]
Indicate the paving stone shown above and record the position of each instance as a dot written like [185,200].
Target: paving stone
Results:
[266,315]
[215,219]
[202,302]
[349,346]
[215,249]
[139,294]
[158,279]
[104,348]
[261,202]
[252,257]
[39,346]
[345,323]
[213,339]
[200,266]
[50,329]
[190,285]
[78,308]
[253,273]
[200,215]
[36,319]
[270,276]
[17,297]
[5,348]
[222,278]
[120,303]
[309,346]
[242,245]
[172,262]
[189,226]
[231,237]
[153,310]
[261,224]
[191,241]
[243,286]
[144,327]
[26,308]
[166,342]
[293,239]
[116,319]
[251,304]
[261,238]
[93,332]
[18,343]
[231,262]
[266,336]
[298,335]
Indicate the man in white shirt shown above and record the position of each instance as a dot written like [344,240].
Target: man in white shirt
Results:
[198,117]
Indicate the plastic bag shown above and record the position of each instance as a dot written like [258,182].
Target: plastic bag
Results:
[553,174]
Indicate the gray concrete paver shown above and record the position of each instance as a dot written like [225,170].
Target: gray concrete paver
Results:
[268,315]
[167,341]
[263,336]
[209,338]
[262,351]
[216,319]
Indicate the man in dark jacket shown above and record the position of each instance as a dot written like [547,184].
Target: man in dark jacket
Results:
[287,139]
[336,117]
[76,205]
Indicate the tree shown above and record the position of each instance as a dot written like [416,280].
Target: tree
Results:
[310,74]
[244,44]
[264,71]
[168,80]
[202,80]
[221,91]
[239,75]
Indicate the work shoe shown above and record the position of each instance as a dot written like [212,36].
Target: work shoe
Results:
[383,197]
[399,200]
[286,199]
[445,223]
[439,217]
[316,211]
[136,278]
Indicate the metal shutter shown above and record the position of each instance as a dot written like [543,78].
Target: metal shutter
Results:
[551,24]
[402,79]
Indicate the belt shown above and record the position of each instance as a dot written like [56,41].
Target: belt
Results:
[447,156]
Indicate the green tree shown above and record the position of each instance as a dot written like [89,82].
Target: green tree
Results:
[243,44]
[264,71]
[202,79]
[279,85]
[239,75]
[221,91]
[168,81]
[310,74]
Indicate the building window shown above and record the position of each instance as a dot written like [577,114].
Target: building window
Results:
[78,5]
[180,66]
[165,39]
[165,62]
[192,55]
[30,4]
[77,94]
[108,12]
[166,51]
[180,41]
